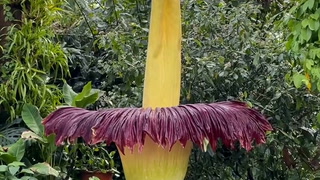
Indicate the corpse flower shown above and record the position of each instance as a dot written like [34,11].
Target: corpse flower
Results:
[155,141]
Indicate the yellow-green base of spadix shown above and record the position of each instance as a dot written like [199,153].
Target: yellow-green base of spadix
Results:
[155,162]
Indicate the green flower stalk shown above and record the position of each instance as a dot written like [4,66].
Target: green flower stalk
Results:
[155,141]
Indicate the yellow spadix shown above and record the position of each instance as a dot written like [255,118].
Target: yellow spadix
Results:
[161,89]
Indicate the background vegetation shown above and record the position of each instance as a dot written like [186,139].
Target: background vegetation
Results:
[262,52]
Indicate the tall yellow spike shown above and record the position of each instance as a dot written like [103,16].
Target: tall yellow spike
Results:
[163,67]
[161,89]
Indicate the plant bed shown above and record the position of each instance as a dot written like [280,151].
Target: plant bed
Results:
[86,161]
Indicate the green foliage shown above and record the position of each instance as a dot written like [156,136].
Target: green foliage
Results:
[230,55]
[106,46]
[31,59]
[91,158]
[12,168]
[85,98]
[31,117]
[17,150]
[80,156]
[303,24]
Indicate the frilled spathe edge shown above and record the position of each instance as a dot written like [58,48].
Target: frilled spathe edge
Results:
[126,127]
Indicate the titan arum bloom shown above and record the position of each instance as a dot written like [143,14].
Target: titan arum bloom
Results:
[156,140]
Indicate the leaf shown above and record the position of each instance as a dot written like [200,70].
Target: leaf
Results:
[86,97]
[85,92]
[306,34]
[17,149]
[29,135]
[16,164]
[87,100]
[310,131]
[31,116]
[44,169]
[308,4]
[51,139]
[315,16]
[7,158]
[68,94]
[293,9]
[305,23]
[298,79]
[314,25]
[28,178]
[318,117]
[309,63]
[3,168]
[27,171]
[313,53]
[289,136]
[13,169]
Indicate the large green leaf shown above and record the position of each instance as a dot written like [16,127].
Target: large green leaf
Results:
[86,97]
[3,168]
[13,169]
[31,116]
[16,164]
[7,158]
[44,169]
[85,92]
[17,149]
[68,94]
[87,100]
